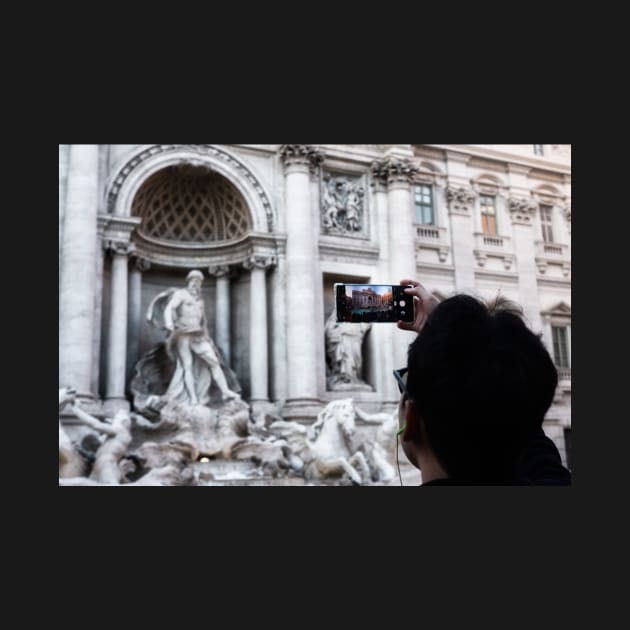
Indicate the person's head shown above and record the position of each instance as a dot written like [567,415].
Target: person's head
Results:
[479,384]
[194,280]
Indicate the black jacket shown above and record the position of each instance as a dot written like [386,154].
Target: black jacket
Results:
[539,465]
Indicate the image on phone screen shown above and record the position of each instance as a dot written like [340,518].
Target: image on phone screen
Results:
[359,303]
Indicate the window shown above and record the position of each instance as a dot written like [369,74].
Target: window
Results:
[424,205]
[567,447]
[488,214]
[538,149]
[560,346]
[545,222]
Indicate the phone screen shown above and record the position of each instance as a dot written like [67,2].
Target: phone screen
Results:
[378,303]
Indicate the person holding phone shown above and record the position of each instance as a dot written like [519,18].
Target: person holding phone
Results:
[474,394]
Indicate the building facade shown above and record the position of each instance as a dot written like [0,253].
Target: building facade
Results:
[273,227]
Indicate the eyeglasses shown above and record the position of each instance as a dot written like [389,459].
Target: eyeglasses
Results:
[401,380]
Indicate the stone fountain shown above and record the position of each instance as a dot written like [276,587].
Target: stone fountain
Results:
[190,426]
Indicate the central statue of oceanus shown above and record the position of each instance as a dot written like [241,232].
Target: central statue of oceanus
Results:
[188,366]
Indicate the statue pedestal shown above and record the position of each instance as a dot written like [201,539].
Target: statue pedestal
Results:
[351,388]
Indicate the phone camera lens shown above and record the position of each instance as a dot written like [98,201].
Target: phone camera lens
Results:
[402,302]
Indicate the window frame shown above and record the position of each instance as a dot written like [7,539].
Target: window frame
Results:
[418,186]
[546,222]
[557,355]
[492,214]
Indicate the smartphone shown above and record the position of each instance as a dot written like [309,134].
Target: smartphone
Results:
[363,303]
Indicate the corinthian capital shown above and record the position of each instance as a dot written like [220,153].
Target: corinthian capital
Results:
[302,155]
[392,171]
[521,210]
[460,199]
[378,171]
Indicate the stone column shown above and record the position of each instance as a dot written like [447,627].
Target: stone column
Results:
[278,326]
[258,332]
[301,256]
[117,350]
[318,319]
[102,222]
[402,242]
[382,336]
[522,212]
[222,309]
[135,319]
[460,205]
[78,267]
[460,198]
[63,182]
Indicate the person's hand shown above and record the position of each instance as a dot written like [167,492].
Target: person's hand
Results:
[423,305]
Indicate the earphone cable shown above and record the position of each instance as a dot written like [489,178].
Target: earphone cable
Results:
[397,462]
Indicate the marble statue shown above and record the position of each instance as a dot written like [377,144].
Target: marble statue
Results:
[183,369]
[197,360]
[186,396]
[71,464]
[329,205]
[109,466]
[67,396]
[344,354]
[326,447]
[353,209]
[380,452]
[157,465]
[168,464]
[342,205]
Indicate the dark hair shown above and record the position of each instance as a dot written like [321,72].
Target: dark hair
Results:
[482,382]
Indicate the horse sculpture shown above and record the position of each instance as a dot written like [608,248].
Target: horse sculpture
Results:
[326,447]
[71,464]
